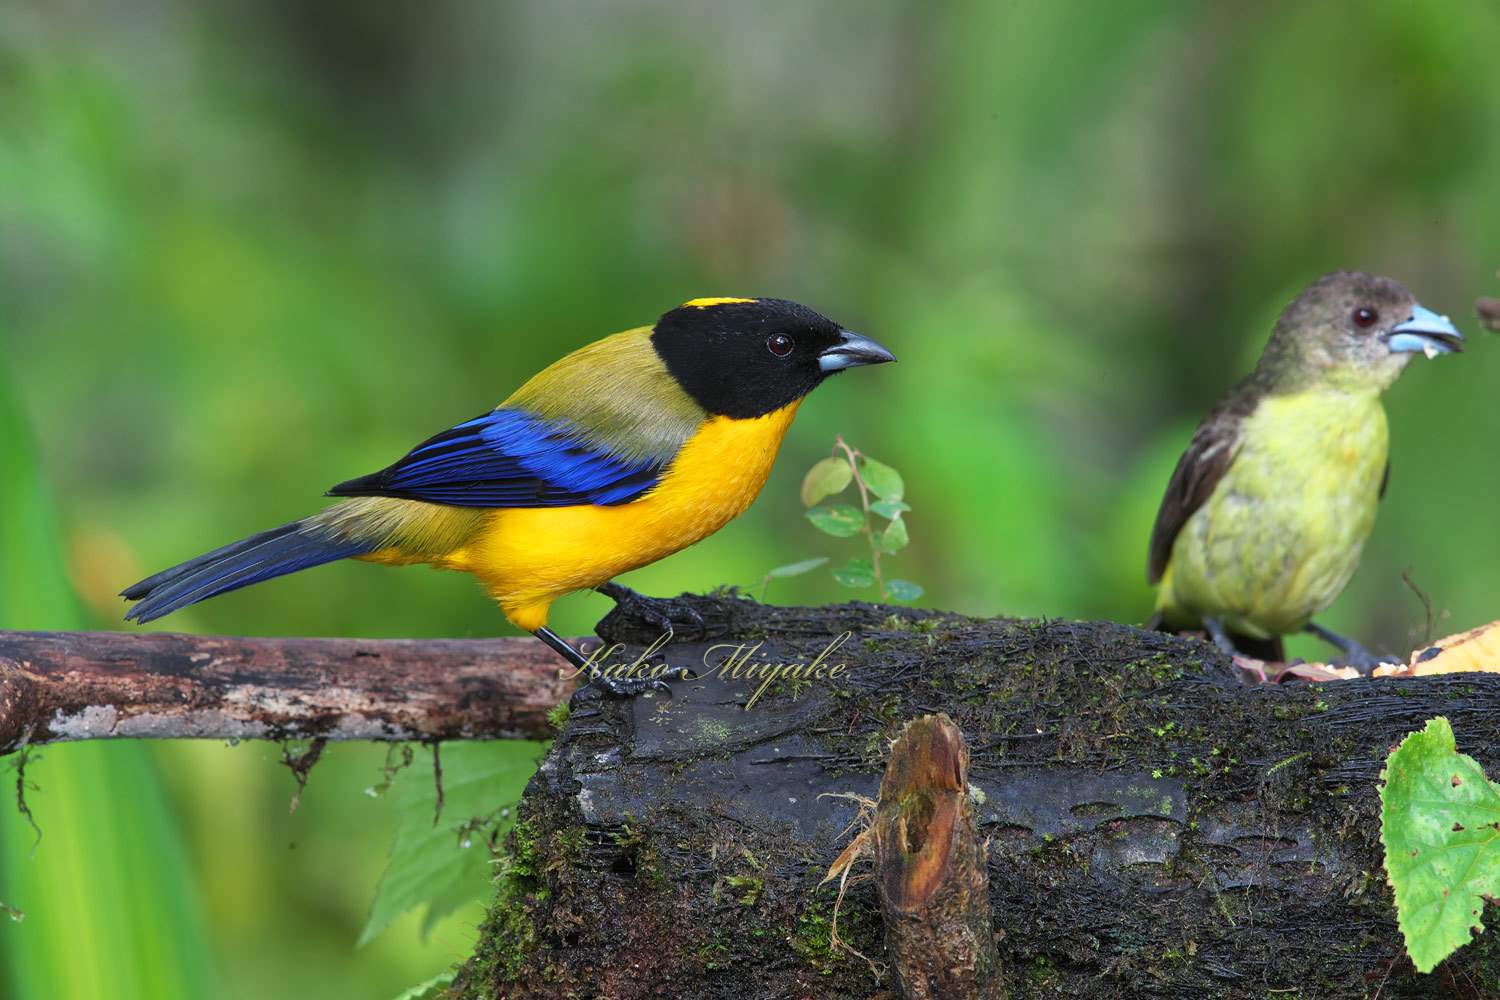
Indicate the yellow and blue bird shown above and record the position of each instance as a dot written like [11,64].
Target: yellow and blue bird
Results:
[1267,510]
[625,451]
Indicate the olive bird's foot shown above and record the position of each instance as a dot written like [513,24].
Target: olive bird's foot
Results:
[1220,637]
[1244,646]
[669,616]
[1355,655]
[600,684]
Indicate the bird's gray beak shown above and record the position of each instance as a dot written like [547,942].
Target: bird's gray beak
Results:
[1427,332]
[851,351]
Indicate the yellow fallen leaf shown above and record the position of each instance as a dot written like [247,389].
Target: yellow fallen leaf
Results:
[1476,649]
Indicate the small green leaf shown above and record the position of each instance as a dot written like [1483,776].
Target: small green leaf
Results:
[798,568]
[1438,819]
[884,481]
[434,989]
[890,508]
[859,573]
[894,539]
[824,479]
[902,590]
[839,519]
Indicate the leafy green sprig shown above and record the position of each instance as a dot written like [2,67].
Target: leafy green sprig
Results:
[878,517]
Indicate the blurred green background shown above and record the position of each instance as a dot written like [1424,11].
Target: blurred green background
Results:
[248,250]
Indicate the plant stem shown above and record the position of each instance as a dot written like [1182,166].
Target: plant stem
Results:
[853,456]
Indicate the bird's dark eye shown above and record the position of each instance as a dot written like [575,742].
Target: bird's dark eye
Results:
[779,344]
[1364,317]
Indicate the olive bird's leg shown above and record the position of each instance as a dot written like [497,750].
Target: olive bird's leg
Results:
[1220,637]
[1355,655]
[659,612]
[599,685]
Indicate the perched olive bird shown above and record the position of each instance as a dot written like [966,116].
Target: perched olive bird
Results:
[1267,510]
[623,452]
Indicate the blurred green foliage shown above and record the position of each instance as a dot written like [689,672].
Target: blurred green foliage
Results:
[248,250]
[110,835]
[450,828]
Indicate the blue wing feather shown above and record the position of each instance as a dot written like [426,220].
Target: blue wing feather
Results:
[511,458]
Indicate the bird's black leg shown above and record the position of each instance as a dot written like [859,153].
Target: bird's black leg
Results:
[599,685]
[659,612]
[1355,655]
[1220,637]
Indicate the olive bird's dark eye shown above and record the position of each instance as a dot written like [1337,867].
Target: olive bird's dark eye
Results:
[1364,317]
[779,344]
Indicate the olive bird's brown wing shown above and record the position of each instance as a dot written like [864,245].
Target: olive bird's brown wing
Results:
[1198,471]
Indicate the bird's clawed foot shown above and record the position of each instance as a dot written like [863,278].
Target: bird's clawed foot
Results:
[671,616]
[604,685]
[1355,655]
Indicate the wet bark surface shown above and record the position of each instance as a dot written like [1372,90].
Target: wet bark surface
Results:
[1155,829]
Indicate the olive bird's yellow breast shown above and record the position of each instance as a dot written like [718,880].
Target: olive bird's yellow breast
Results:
[529,556]
[1282,532]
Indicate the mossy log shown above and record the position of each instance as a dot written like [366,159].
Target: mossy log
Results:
[1155,828]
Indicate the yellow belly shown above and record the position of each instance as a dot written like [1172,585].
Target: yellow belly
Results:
[1282,532]
[527,557]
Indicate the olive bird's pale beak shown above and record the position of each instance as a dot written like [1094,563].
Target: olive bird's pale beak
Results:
[1427,332]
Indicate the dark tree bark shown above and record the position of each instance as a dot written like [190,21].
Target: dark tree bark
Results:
[1155,829]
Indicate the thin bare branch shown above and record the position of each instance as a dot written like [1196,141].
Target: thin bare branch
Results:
[99,685]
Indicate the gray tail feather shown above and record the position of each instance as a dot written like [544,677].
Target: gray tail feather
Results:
[279,551]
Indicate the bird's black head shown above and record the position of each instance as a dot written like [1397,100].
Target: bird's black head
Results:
[745,358]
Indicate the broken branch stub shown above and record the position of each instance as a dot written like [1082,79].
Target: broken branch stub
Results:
[930,869]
